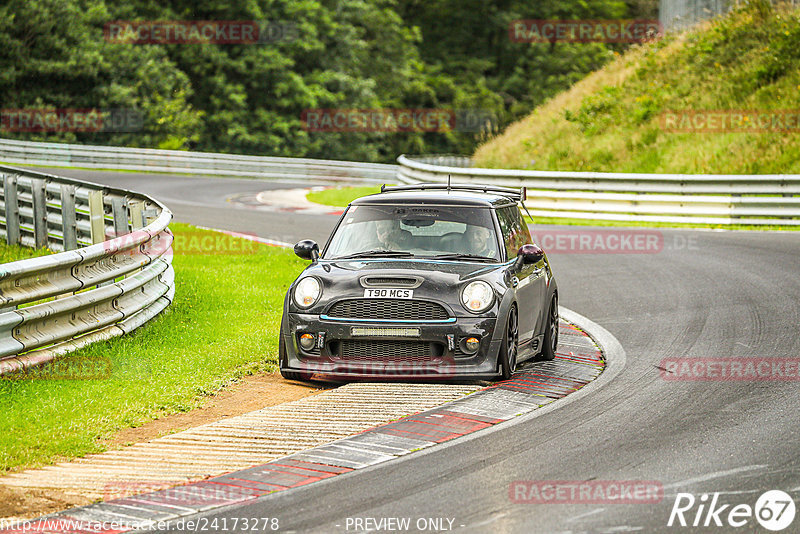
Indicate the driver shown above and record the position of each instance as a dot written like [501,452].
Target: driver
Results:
[390,235]
[479,241]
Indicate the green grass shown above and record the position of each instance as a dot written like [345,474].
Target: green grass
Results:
[341,196]
[222,325]
[610,121]
[9,253]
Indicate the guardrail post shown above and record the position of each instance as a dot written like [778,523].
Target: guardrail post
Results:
[150,215]
[119,210]
[39,213]
[68,223]
[97,219]
[97,216]
[12,209]
[136,209]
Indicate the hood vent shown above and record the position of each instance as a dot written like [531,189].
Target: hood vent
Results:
[391,281]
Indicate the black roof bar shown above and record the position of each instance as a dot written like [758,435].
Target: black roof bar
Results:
[517,195]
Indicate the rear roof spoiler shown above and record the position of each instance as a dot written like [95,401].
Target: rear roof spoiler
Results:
[517,195]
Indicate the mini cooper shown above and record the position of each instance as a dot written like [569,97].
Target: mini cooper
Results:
[430,282]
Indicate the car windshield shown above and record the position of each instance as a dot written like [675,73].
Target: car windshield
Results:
[418,230]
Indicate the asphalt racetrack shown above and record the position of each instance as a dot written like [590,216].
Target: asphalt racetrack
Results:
[698,294]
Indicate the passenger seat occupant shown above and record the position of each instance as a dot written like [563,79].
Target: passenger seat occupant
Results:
[478,241]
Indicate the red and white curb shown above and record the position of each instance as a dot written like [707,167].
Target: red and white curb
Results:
[579,361]
[284,200]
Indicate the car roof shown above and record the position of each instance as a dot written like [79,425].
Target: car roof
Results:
[438,197]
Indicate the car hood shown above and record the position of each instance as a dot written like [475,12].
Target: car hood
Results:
[453,271]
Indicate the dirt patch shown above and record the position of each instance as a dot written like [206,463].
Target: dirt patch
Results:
[249,394]
[26,504]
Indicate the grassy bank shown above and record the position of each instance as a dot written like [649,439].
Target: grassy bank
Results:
[613,119]
[222,325]
[341,196]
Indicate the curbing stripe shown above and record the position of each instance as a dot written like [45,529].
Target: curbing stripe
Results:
[321,468]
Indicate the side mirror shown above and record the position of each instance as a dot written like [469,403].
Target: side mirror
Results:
[530,254]
[307,249]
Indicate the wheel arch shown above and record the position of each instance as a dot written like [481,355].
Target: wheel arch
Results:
[509,300]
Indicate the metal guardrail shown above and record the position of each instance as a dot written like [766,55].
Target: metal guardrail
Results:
[767,199]
[112,273]
[683,14]
[198,163]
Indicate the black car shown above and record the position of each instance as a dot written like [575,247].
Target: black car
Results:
[428,281]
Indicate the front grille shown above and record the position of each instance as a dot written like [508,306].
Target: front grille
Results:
[389,309]
[380,350]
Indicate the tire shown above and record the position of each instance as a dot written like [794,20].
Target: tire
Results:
[288,375]
[551,332]
[509,348]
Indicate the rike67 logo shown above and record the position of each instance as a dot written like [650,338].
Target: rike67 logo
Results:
[774,510]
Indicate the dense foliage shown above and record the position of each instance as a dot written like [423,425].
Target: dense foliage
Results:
[238,98]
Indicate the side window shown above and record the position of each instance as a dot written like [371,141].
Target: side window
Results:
[515,231]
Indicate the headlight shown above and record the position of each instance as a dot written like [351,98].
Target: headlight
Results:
[307,292]
[477,296]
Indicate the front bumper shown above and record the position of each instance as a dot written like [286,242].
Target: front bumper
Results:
[435,354]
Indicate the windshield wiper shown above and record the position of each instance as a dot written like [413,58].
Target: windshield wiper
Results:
[457,256]
[377,252]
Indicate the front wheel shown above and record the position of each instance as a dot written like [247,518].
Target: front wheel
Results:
[508,349]
[551,332]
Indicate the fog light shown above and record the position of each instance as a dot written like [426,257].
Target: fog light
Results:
[307,341]
[471,345]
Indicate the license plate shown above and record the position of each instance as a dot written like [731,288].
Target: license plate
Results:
[387,293]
